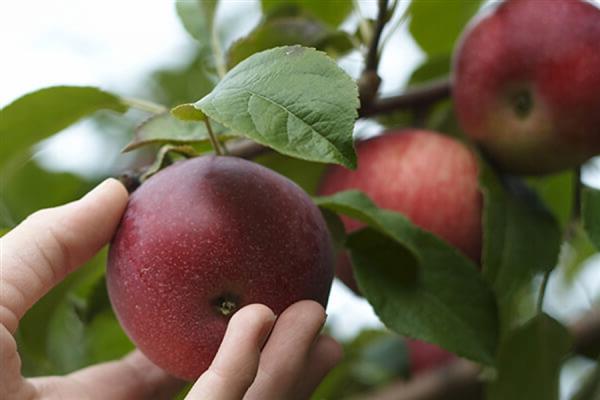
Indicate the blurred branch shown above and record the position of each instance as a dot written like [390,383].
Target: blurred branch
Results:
[418,97]
[144,105]
[461,379]
[372,61]
[369,81]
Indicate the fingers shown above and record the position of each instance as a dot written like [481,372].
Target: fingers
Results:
[285,358]
[234,367]
[48,245]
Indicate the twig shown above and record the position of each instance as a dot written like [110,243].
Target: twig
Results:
[369,80]
[213,139]
[144,105]
[372,61]
[461,379]
[413,98]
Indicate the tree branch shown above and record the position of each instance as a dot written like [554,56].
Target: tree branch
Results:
[369,81]
[461,379]
[415,98]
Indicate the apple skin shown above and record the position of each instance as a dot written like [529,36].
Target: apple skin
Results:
[430,178]
[526,81]
[205,234]
[425,356]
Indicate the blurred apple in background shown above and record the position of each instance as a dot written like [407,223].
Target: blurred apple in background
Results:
[526,84]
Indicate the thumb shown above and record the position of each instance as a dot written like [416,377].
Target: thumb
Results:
[51,243]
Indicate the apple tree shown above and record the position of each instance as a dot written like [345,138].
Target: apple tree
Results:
[450,221]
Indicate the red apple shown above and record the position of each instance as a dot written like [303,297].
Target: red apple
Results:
[202,238]
[527,84]
[430,178]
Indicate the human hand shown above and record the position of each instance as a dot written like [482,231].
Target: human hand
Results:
[50,244]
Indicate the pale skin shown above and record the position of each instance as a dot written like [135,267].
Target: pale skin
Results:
[261,356]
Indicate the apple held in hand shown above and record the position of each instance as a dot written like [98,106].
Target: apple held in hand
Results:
[201,239]
[430,178]
[527,84]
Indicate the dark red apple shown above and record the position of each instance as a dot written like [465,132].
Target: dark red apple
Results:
[202,238]
[430,178]
[527,84]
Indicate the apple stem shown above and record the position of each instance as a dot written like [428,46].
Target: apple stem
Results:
[213,139]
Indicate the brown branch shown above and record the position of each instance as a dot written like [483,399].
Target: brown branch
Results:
[461,379]
[369,81]
[419,97]
[372,60]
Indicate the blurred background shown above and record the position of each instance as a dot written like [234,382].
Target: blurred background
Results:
[140,49]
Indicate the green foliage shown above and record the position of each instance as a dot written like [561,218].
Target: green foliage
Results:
[289,31]
[21,186]
[521,239]
[73,326]
[437,66]
[165,129]
[163,158]
[529,361]
[306,174]
[443,298]
[197,16]
[372,359]
[556,191]
[591,214]
[265,98]
[54,108]
[332,12]
[187,112]
[436,25]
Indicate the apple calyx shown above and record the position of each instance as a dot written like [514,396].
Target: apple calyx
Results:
[226,304]
[522,102]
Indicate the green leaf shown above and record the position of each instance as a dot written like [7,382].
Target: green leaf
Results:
[433,68]
[557,193]
[289,31]
[521,239]
[162,158]
[20,189]
[187,112]
[197,17]
[332,12]
[306,174]
[417,284]
[435,25]
[529,361]
[164,129]
[590,210]
[4,231]
[82,329]
[42,113]
[336,228]
[295,100]
[37,324]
